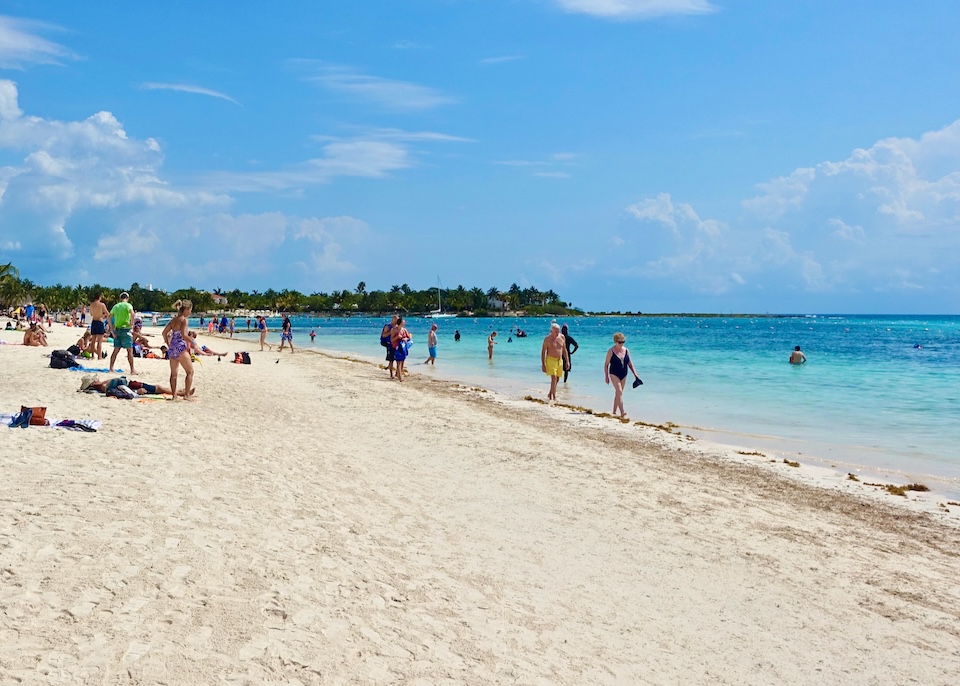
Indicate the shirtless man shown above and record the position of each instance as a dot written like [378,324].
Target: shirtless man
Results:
[432,345]
[98,325]
[554,357]
[797,357]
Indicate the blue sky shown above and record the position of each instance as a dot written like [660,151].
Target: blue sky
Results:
[653,155]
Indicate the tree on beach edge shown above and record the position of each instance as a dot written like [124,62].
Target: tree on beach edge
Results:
[15,291]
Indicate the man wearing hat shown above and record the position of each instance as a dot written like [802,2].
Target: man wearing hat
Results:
[121,320]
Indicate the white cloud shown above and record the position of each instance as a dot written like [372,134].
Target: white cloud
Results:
[636,9]
[86,189]
[554,163]
[20,44]
[373,154]
[364,158]
[126,245]
[418,136]
[186,88]
[9,109]
[885,219]
[845,231]
[781,194]
[501,60]
[72,168]
[385,93]
[687,250]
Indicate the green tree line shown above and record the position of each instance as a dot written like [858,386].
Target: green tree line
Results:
[15,291]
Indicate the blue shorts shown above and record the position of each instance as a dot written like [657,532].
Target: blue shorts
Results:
[122,338]
[97,328]
[432,350]
[286,337]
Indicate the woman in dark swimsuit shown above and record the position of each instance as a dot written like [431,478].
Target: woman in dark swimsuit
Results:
[615,368]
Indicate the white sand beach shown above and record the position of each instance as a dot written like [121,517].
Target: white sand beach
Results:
[308,521]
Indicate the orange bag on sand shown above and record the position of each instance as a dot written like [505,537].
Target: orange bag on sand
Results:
[39,416]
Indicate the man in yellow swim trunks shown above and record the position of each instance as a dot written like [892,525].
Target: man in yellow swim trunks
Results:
[553,357]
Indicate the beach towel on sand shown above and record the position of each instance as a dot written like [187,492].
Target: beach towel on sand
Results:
[73,424]
[102,370]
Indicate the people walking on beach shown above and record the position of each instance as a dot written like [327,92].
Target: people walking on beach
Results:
[797,357]
[615,368]
[121,321]
[286,334]
[400,342]
[98,325]
[572,346]
[387,342]
[491,341]
[233,325]
[176,335]
[554,358]
[262,326]
[432,345]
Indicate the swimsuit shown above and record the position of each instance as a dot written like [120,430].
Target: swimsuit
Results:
[403,345]
[177,346]
[554,366]
[618,367]
[98,328]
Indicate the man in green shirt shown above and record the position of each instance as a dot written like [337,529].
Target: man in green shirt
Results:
[121,320]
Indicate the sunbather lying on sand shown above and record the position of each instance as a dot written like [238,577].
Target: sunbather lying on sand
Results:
[198,349]
[137,386]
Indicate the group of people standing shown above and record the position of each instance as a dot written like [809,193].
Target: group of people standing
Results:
[559,345]
[555,356]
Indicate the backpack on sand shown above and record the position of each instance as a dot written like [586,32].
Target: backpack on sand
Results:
[61,359]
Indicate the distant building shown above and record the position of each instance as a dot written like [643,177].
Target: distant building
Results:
[218,299]
[497,304]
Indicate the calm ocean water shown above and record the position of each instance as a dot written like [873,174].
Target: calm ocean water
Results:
[867,397]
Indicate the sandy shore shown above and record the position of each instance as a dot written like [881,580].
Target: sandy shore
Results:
[308,521]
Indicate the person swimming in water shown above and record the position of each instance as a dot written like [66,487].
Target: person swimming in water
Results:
[797,357]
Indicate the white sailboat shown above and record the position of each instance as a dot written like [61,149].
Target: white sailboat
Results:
[439,313]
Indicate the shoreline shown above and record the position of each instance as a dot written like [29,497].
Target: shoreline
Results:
[309,520]
[819,476]
[812,454]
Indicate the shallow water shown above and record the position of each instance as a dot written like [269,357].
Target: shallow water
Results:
[867,396]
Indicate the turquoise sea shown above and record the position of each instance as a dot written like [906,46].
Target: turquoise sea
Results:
[878,393]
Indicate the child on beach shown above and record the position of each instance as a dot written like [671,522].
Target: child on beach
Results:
[176,335]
